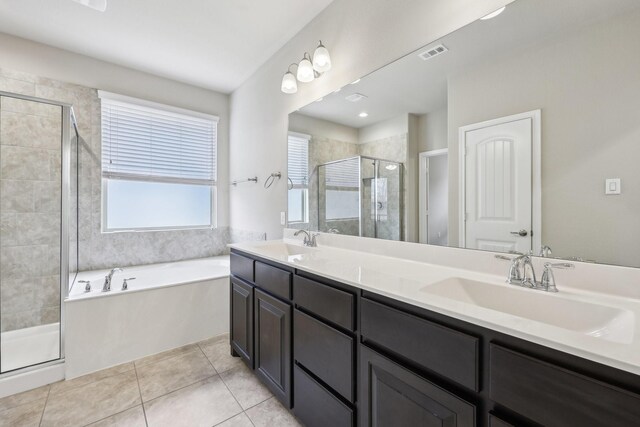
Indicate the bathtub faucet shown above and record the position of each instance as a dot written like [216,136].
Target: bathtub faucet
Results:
[107,279]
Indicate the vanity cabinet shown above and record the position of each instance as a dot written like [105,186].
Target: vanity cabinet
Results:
[273,344]
[392,395]
[341,356]
[242,320]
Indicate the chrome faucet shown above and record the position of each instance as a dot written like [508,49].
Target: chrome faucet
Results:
[545,251]
[522,273]
[107,279]
[309,238]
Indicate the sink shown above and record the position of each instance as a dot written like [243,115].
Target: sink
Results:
[601,321]
[282,249]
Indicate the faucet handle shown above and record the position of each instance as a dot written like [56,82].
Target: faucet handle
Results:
[87,285]
[548,281]
[125,285]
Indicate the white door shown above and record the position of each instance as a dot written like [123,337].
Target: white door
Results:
[498,185]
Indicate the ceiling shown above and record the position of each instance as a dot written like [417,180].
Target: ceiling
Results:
[412,85]
[215,44]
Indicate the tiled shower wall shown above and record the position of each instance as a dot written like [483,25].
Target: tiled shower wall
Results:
[30,211]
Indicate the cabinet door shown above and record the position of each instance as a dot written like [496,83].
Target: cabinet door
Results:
[273,345]
[242,320]
[391,395]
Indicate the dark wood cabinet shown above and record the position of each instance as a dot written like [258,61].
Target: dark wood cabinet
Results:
[272,355]
[242,320]
[391,395]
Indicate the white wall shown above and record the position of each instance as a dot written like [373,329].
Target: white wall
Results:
[433,130]
[386,128]
[362,35]
[318,127]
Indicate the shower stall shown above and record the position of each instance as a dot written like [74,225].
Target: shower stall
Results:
[361,196]
[38,233]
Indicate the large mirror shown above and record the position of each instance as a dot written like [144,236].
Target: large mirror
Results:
[516,133]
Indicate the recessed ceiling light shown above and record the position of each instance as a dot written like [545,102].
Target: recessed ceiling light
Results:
[363,114]
[99,5]
[494,14]
[355,82]
[391,167]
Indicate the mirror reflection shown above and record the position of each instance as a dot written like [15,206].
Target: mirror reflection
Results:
[519,133]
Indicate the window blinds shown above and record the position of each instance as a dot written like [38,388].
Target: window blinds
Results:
[343,174]
[151,142]
[298,160]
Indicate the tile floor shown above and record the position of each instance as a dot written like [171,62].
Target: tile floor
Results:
[196,385]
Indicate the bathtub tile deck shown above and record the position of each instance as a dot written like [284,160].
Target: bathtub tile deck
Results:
[196,385]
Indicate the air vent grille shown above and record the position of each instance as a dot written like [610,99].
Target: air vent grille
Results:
[433,51]
[355,97]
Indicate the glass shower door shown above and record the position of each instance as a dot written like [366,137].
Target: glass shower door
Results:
[382,197]
[31,213]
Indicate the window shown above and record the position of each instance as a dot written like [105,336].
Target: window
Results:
[342,189]
[158,166]
[298,173]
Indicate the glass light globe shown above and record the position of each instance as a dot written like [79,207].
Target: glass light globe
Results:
[321,59]
[289,83]
[305,71]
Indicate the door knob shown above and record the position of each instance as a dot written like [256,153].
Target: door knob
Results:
[521,233]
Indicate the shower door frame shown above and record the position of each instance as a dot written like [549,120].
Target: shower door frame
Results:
[65,207]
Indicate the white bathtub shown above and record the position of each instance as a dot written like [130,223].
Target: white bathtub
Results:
[168,305]
[151,276]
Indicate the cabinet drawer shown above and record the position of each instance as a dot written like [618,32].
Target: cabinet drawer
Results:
[554,396]
[315,406]
[326,352]
[447,352]
[329,303]
[242,267]
[273,279]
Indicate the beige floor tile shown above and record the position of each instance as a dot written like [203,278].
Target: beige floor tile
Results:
[218,351]
[271,413]
[245,386]
[159,357]
[240,420]
[63,386]
[92,402]
[205,404]
[133,417]
[25,415]
[167,375]
[22,398]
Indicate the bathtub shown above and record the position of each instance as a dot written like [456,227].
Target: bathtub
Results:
[167,306]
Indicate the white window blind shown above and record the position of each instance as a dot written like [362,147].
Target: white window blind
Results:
[343,174]
[298,160]
[152,142]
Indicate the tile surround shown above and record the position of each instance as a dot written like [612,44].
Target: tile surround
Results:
[115,397]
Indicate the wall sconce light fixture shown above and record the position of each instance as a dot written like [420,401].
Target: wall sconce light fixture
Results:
[308,69]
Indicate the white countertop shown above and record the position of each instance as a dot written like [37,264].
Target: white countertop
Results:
[405,280]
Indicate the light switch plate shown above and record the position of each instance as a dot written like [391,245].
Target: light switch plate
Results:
[283,218]
[612,186]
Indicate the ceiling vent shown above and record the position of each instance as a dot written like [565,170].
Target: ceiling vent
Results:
[433,51]
[355,97]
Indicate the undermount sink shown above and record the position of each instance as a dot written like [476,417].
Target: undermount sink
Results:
[282,249]
[604,322]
